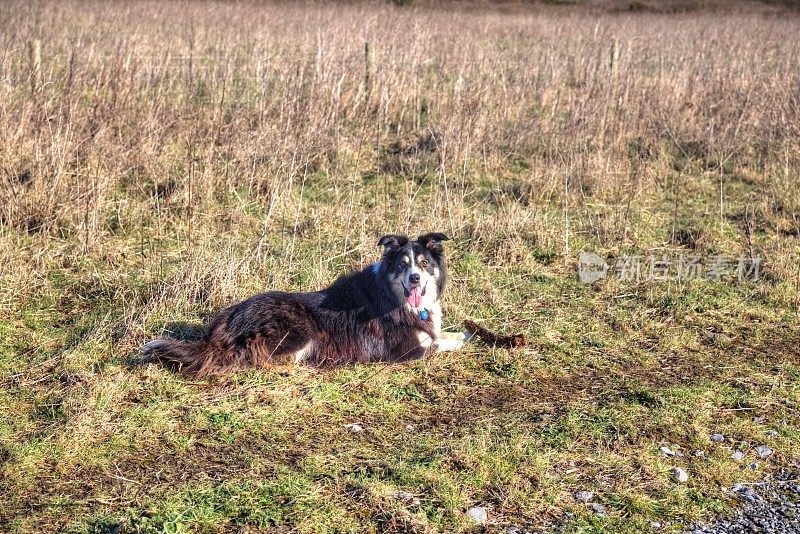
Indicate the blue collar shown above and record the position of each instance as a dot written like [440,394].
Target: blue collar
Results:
[423,314]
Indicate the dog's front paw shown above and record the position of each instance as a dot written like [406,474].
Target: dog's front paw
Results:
[449,341]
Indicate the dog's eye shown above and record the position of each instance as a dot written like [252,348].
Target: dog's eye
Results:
[424,264]
[403,265]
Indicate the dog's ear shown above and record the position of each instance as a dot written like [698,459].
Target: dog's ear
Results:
[392,242]
[433,241]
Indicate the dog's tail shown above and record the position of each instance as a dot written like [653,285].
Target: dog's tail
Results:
[196,359]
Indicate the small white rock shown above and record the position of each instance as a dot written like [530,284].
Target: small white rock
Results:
[699,454]
[738,456]
[656,525]
[598,508]
[354,428]
[406,497]
[679,475]
[717,438]
[410,428]
[771,433]
[763,451]
[667,451]
[478,514]
[584,496]
[744,492]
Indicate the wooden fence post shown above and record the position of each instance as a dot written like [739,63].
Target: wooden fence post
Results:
[35,49]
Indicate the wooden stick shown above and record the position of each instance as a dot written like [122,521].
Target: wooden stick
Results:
[487,336]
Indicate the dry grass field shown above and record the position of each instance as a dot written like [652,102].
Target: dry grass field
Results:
[161,160]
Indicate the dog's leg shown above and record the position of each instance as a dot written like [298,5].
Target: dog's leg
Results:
[449,341]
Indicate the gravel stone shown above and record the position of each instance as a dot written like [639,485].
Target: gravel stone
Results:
[598,508]
[478,514]
[354,428]
[718,438]
[768,507]
[406,497]
[679,475]
[584,496]
[763,451]
[667,451]
[745,493]
[738,456]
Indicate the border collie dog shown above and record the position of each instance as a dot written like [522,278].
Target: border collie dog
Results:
[388,312]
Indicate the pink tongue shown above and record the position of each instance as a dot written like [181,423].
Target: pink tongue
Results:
[415,298]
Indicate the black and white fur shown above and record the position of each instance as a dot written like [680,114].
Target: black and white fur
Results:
[388,312]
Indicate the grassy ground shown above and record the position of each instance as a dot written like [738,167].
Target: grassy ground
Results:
[157,167]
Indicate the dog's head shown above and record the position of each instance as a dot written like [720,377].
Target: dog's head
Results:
[413,270]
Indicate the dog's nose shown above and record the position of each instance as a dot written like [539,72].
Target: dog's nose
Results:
[414,278]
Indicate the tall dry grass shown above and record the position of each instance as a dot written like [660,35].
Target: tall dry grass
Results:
[155,129]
